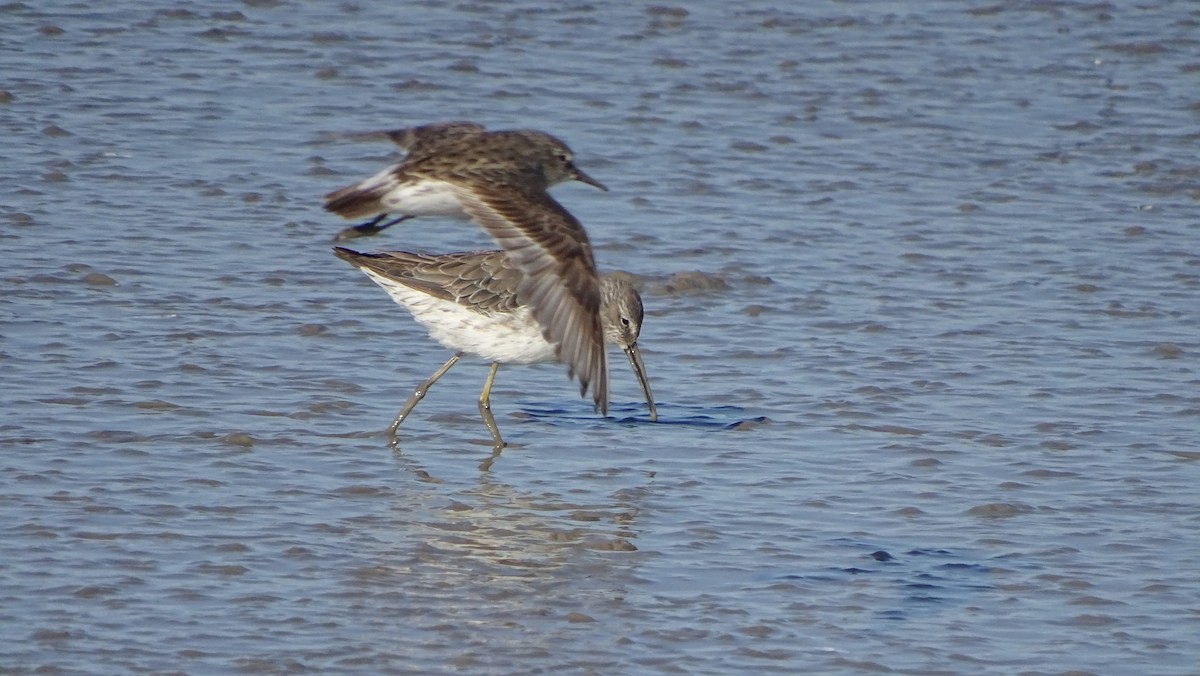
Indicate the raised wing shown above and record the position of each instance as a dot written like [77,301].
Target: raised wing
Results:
[408,137]
[558,272]
[417,139]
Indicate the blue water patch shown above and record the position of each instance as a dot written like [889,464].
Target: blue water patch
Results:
[921,581]
[635,413]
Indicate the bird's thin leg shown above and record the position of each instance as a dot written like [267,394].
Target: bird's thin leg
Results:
[485,406]
[419,394]
[371,227]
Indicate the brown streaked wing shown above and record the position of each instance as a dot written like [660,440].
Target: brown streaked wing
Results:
[414,138]
[408,137]
[481,281]
[472,158]
[558,280]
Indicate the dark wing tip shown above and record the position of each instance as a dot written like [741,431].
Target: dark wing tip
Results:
[352,202]
[345,254]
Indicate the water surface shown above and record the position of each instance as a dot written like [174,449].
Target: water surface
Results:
[921,286]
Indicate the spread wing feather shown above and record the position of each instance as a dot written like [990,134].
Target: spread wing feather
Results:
[481,281]
[558,272]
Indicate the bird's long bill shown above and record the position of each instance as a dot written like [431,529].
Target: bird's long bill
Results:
[639,369]
[584,178]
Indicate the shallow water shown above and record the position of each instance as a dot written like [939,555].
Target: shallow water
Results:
[922,325]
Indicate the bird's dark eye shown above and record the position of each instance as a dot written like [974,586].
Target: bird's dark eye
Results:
[624,321]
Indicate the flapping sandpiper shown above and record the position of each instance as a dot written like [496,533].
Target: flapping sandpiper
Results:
[442,155]
[469,302]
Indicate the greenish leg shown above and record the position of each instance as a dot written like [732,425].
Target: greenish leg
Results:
[419,394]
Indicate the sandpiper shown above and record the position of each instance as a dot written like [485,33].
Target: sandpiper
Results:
[469,302]
[441,155]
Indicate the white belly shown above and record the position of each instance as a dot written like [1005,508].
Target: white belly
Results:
[506,338]
[426,198]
